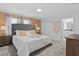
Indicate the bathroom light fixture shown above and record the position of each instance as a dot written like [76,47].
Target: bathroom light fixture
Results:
[39,10]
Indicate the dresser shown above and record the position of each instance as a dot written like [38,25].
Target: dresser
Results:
[72,45]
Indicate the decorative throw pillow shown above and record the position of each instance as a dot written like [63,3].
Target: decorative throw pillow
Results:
[21,33]
[33,32]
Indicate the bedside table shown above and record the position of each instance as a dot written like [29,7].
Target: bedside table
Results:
[4,40]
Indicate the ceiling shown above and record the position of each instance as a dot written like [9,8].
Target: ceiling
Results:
[49,9]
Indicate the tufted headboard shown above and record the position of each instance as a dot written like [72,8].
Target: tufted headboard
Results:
[21,27]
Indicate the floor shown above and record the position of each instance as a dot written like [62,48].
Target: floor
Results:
[56,49]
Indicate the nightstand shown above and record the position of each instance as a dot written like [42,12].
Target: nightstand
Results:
[4,40]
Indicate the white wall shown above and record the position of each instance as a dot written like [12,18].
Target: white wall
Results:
[76,24]
[48,29]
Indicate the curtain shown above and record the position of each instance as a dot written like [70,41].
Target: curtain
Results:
[8,24]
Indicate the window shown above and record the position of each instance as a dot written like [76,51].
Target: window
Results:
[27,22]
[14,20]
[21,21]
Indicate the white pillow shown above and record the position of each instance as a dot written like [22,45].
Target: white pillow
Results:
[29,33]
[20,33]
[23,33]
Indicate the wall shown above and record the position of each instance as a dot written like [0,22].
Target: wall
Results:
[76,24]
[46,26]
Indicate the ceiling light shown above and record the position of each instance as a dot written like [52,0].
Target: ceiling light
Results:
[39,10]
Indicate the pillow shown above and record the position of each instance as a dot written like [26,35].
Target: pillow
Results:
[21,33]
[33,32]
[29,32]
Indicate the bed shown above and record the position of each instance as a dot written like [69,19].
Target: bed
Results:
[27,45]
[27,41]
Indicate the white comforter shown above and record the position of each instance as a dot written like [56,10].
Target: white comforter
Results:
[26,45]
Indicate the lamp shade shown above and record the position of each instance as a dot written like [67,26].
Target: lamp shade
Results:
[38,28]
[2,28]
